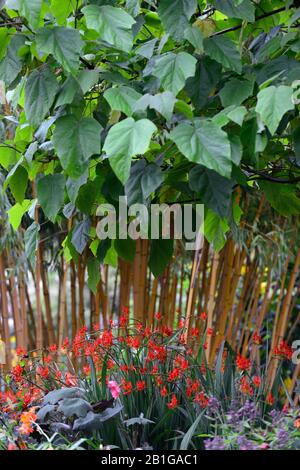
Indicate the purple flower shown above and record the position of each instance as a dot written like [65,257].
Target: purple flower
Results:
[246,444]
[276,416]
[282,437]
[213,404]
[217,443]
[248,411]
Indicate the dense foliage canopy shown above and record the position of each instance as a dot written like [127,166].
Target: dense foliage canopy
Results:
[163,101]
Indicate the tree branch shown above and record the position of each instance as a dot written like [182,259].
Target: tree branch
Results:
[86,63]
[260,175]
[261,17]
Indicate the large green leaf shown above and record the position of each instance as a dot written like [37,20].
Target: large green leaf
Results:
[50,193]
[65,44]
[31,9]
[224,51]
[194,35]
[213,189]
[75,141]
[125,140]
[16,212]
[61,10]
[173,70]
[112,24]
[126,249]
[163,103]
[161,253]
[4,41]
[235,91]
[81,235]
[215,229]
[31,238]
[93,268]
[11,64]
[244,9]
[18,183]
[272,103]
[40,91]
[205,143]
[122,98]
[152,178]
[282,197]
[175,15]
[201,86]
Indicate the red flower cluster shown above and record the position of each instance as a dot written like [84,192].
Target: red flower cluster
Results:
[242,363]
[256,338]
[283,350]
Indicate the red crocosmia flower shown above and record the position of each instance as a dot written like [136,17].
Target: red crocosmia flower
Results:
[70,380]
[140,385]
[210,332]
[242,363]
[158,316]
[195,332]
[283,350]
[17,373]
[65,343]
[123,321]
[47,359]
[203,316]
[181,323]
[256,338]
[181,362]
[173,403]
[87,369]
[256,381]
[245,387]
[182,339]
[89,350]
[82,331]
[125,310]
[159,381]
[43,372]
[127,387]
[53,348]
[135,343]
[166,331]
[21,352]
[58,374]
[147,332]
[270,399]
[164,391]
[193,387]
[26,400]
[174,375]
[110,364]
[205,346]
[124,368]
[96,327]
[201,399]
[107,339]
[154,370]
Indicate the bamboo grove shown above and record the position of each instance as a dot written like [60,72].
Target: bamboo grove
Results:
[163,103]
